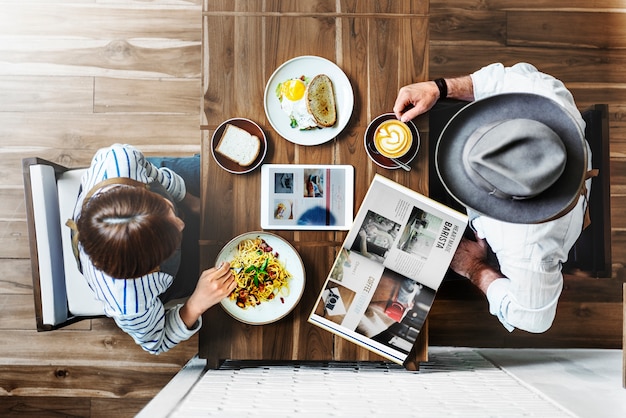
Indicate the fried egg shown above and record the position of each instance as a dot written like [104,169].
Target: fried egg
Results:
[291,94]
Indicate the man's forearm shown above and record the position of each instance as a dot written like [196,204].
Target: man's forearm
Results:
[461,88]
[483,275]
[470,260]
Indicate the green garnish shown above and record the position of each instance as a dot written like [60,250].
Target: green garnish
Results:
[278,92]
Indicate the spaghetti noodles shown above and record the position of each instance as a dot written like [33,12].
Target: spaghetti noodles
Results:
[260,276]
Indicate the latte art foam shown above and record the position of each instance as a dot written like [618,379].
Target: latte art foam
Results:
[393,138]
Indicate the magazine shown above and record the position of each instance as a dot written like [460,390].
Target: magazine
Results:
[307,197]
[393,260]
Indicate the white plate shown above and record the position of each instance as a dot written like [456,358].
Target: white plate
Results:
[275,309]
[309,66]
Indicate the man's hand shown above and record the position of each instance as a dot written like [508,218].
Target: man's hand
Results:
[469,256]
[421,96]
[214,285]
[470,260]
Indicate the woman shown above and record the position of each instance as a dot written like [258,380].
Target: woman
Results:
[137,253]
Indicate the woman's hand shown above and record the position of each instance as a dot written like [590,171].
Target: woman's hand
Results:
[214,285]
[191,203]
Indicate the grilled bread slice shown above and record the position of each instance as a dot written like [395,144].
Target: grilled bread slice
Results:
[320,101]
[238,145]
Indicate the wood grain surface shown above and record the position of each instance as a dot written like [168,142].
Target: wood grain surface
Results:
[380,49]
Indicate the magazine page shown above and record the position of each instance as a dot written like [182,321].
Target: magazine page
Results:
[406,231]
[307,196]
[384,280]
[373,306]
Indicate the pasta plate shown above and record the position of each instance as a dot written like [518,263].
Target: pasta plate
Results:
[277,308]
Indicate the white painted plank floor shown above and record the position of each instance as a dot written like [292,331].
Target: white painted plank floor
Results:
[463,382]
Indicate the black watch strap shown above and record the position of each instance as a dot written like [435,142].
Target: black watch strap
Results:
[443,88]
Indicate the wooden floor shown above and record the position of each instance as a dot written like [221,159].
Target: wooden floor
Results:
[76,75]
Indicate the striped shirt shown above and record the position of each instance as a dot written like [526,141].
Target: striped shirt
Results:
[134,303]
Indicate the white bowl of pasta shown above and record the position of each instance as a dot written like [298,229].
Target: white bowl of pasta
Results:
[270,277]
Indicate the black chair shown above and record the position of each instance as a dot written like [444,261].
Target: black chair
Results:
[591,255]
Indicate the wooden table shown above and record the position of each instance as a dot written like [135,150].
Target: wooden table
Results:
[381,46]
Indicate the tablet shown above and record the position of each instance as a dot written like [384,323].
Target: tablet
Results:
[307,197]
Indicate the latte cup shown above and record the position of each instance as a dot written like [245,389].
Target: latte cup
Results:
[393,138]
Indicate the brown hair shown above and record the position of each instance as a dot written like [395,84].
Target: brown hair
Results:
[126,232]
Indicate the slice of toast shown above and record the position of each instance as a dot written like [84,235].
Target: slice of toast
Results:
[238,145]
[320,100]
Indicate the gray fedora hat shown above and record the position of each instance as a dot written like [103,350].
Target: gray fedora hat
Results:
[515,157]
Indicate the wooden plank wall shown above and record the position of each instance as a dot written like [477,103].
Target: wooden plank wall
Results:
[77,75]
[583,44]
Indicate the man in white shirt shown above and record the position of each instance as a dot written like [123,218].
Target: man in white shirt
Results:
[517,159]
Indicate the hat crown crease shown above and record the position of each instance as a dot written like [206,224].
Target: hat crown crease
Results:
[514,158]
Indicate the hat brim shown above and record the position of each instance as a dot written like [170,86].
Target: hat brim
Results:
[547,205]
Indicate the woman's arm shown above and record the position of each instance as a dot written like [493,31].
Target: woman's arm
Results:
[214,285]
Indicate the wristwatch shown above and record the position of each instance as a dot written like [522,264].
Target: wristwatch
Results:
[443,88]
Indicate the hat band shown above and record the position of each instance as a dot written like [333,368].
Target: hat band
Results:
[490,189]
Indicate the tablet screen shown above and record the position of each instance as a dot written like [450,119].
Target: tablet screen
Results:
[307,197]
